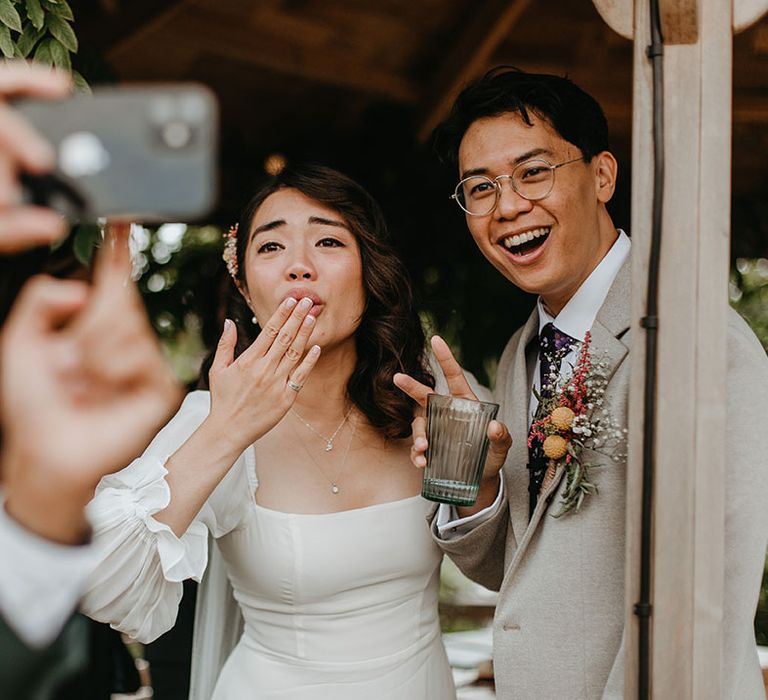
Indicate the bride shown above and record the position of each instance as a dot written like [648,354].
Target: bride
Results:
[297,465]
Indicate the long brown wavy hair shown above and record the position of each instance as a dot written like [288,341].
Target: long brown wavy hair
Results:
[389,338]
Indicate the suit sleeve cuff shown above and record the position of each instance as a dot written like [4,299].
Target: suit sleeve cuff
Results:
[450,526]
[39,592]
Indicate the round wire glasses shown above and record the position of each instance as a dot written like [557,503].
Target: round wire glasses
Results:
[533,179]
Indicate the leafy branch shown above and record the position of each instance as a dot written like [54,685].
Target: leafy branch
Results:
[40,30]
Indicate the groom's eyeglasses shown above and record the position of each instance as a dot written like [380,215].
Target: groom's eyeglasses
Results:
[533,179]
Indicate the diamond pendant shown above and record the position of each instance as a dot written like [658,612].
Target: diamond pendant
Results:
[328,446]
[334,488]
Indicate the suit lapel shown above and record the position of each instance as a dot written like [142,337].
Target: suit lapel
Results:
[516,407]
[611,324]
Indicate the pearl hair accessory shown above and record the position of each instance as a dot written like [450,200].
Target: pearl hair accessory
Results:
[230,251]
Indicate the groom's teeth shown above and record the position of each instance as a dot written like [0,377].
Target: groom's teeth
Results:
[520,238]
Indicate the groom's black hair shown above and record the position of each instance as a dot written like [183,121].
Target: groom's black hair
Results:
[570,111]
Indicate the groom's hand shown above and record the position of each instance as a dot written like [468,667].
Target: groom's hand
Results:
[499,438]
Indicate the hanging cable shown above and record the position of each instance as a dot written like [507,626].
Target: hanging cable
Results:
[650,322]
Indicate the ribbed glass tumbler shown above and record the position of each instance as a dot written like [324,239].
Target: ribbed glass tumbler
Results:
[458,443]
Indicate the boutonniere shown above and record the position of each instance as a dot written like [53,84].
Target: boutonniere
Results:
[573,417]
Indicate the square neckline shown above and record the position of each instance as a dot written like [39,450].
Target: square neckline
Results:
[253,484]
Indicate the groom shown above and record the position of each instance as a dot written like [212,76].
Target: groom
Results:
[535,176]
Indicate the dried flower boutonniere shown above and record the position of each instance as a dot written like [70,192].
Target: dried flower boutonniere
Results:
[574,418]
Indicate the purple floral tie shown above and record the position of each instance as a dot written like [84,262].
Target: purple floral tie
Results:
[554,345]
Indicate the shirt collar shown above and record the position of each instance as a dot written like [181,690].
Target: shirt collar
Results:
[578,315]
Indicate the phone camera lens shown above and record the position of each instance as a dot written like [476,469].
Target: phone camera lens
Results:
[176,134]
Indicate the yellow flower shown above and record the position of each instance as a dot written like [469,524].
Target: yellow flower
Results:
[555,447]
[562,417]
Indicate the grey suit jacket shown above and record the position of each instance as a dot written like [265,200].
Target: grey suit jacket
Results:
[560,616]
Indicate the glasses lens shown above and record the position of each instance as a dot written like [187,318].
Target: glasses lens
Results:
[533,179]
[476,195]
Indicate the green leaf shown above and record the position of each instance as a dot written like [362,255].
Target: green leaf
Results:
[85,242]
[26,42]
[35,13]
[60,9]
[60,55]
[43,52]
[62,30]
[81,84]
[9,16]
[6,43]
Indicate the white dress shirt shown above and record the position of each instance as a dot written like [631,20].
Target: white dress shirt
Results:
[575,319]
[40,581]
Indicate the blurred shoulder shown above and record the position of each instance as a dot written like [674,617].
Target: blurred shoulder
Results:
[746,355]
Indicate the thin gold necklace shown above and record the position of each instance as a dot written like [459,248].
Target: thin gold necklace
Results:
[328,440]
[335,489]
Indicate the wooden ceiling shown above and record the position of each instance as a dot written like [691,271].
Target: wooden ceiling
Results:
[321,78]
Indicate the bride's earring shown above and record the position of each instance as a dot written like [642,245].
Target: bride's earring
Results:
[254,320]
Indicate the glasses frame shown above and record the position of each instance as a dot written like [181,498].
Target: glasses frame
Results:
[511,177]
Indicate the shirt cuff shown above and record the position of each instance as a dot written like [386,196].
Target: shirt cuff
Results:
[40,590]
[450,526]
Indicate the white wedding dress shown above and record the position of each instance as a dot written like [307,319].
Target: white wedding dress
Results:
[339,606]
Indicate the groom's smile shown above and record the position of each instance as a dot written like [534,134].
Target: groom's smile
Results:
[522,244]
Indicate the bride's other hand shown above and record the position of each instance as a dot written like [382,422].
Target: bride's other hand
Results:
[251,394]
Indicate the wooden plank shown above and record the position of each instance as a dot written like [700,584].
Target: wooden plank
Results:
[712,291]
[491,25]
[642,202]
[674,486]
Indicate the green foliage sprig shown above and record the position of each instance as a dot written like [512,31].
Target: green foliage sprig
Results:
[40,30]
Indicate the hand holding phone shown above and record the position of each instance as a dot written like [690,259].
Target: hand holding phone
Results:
[23,149]
[144,153]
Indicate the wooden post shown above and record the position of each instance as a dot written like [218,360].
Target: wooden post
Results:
[690,455]
[688,570]
[687,581]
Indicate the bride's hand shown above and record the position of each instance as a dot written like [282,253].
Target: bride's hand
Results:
[251,394]
[498,435]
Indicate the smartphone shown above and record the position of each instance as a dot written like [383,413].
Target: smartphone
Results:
[144,153]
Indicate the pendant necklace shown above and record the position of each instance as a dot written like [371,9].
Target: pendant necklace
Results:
[335,489]
[328,440]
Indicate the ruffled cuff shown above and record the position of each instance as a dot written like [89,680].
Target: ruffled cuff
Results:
[133,495]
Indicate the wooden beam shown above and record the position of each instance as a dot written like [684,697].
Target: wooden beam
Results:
[689,451]
[211,33]
[131,40]
[492,23]
[113,22]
